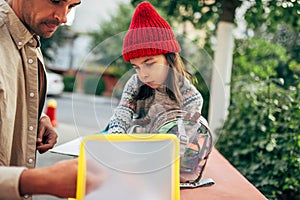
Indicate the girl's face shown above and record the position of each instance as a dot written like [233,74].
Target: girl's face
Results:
[151,70]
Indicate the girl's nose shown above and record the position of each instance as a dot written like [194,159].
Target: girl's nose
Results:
[145,74]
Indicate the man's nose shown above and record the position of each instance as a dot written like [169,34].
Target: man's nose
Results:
[61,15]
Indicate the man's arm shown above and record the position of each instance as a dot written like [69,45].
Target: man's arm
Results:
[58,180]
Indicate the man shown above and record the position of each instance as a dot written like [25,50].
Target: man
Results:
[23,127]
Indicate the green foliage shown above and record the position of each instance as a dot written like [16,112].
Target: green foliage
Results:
[268,14]
[276,21]
[69,81]
[93,84]
[107,42]
[119,22]
[261,134]
[197,12]
[50,45]
[264,59]
[258,56]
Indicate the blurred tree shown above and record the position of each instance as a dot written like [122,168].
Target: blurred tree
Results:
[108,40]
[50,45]
[264,16]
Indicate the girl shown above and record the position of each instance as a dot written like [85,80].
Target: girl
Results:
[161,82]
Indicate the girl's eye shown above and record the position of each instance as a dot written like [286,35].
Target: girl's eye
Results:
[136,67]
[149,64]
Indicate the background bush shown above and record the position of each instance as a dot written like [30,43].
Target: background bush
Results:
[261,136]
[69,81]
[93,84]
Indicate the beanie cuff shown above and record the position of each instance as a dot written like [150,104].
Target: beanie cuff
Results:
[149,41]
[150,49]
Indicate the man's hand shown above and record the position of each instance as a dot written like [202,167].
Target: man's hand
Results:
[47,136]
[59,179]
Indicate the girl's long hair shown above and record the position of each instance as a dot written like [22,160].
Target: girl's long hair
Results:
[176,75]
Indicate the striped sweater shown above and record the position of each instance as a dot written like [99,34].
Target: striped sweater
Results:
[129,108]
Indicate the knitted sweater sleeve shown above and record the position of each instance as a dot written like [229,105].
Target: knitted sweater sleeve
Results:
[191,98]
[122,116]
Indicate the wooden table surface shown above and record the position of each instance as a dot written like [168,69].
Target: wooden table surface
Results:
[229,183]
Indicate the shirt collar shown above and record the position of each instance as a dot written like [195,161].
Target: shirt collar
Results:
[19,33]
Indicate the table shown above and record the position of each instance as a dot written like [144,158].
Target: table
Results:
[229,183]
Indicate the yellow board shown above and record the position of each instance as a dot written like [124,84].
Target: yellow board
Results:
[135,166]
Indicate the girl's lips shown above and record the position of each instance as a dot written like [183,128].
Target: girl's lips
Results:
[149,83]
[153,85]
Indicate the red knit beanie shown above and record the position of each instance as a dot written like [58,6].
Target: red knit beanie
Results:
[148,35]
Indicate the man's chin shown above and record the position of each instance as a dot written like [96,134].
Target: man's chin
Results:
[47,34]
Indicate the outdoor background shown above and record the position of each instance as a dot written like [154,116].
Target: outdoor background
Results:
[260,132]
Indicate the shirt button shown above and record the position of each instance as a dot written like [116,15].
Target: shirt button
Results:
[30,128]
[31,94]
[20,43]
[30,61]
[30,160]
[26,196]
